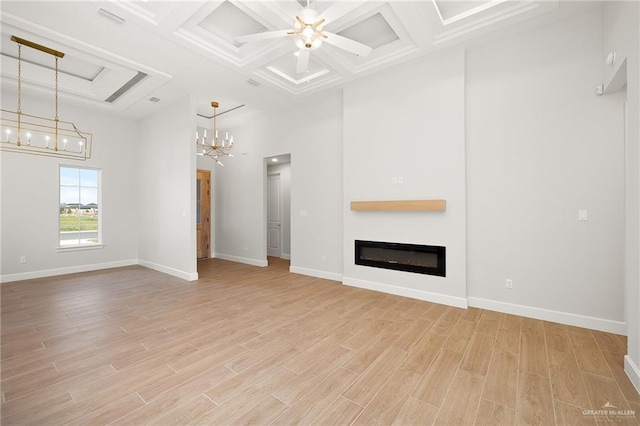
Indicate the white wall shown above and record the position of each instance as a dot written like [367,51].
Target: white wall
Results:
[632,365]
[206,163]
[316,186]
[620,23]
[311,130]
[238,231]
[284,170]
[408,122]
[540,147]
[166,190]
[30,209]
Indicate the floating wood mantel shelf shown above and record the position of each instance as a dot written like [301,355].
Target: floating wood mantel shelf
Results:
[401,205]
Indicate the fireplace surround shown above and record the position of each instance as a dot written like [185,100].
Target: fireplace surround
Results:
[421,259]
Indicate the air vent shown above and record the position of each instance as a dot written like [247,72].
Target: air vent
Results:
[253,82]
[126,87]
[111,16]
[154,99]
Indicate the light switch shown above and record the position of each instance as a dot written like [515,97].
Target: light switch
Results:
[582,215]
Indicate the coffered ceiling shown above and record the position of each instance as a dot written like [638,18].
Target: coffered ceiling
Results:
[396,30]
[120,54]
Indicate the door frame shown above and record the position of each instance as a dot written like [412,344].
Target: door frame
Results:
[205,218]
[288,159]
[280,230]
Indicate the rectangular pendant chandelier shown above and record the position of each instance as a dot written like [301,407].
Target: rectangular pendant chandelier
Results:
[33,134]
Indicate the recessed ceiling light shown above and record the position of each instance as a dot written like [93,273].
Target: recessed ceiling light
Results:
[275,160]
[253,82]
[296,53]
[154,99]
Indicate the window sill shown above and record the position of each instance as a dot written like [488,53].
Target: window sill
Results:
[62,249]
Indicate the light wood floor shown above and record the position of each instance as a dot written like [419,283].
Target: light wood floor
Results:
[249,345]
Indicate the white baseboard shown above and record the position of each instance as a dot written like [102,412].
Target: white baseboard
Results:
[246,260]
[315,273]
[459,302]
[64,271]
[609,326]
[281,255]
[633,371]
[188,276]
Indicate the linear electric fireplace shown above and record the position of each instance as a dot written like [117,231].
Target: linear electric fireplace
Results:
[421,259]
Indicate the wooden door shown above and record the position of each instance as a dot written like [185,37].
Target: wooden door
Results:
[203,213]
[274,225]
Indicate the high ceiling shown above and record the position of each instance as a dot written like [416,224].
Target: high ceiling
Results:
[123,55]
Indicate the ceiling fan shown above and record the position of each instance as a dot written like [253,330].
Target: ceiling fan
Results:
[308,34]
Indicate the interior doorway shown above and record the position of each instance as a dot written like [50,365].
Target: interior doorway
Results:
[274,215]
[203,214]
[278,206]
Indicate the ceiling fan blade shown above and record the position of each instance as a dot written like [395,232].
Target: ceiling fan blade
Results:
[347,44]
[303,61]
[262,36]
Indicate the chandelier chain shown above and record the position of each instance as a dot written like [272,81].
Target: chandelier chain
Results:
[19,79]
[56,88]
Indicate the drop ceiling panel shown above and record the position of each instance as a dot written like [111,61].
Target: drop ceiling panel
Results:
[488,17]
[87,73]
[317,5]
[451,10]
[212,29]
[398,41]
[287,64]
[373,31]
[69,65]
[227,21]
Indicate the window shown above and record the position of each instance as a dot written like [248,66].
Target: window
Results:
[79,207]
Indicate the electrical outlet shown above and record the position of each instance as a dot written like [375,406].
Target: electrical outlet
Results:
[23,259]
[324,258]
[508,283]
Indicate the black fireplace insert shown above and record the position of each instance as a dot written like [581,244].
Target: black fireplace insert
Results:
[421,259]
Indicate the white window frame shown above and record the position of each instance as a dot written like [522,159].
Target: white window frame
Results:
[81,246]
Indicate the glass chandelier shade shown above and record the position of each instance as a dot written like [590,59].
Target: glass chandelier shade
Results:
[308,30]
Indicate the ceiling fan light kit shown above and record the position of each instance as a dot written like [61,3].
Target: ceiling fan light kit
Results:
[308,30]
[308,34]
